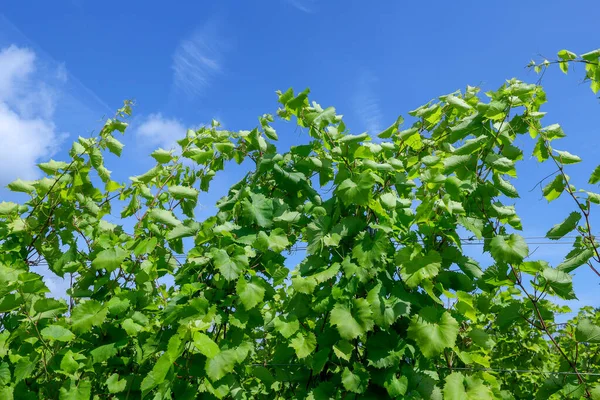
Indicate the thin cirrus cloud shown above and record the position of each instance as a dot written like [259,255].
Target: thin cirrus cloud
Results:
[198,59]
[366,103]
[306,6]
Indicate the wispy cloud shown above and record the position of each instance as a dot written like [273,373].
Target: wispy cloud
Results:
[27,106]
[157,130]
[307,6]
[75,98]
[198,59]
[366,102]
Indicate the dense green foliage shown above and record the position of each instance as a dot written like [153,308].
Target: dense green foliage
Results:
[385,303]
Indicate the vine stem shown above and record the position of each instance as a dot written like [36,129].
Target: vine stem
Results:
[585,210]
[161,187]
[543,326]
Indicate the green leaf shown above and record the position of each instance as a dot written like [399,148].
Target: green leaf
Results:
[163,216]
[416,269]
[96,158]
[560,282]
[386,310]
[591,55]
[7,208]
[205,345]
[4,374]
[115,385]
[57,332]
[349,139]
[389,131]
[567,226]
[278,240]
[103,353]
[229,267]
[24,368]
[286,328]
[109,259]
[481,338]
[181,231]
[221,364]
[369,251]
[577,260]
[355,381]
[304,345]
[114,145]
[567,55]
[145,246]
[343,350]
[131,327]
[500,164]
[21,186]
[567,158]
[471,146]
[460,387]
[540,151]
[52,167]
[304,285]
[356,190]
[505,187]
[587,331]
[388,200]
[68,363]
[259,210]
[250,293]
[510,249]
[385,350]
[554,189]
[76,390]
[554,131]
[199,156]
[433,331]
[7,392]
[454,162]
[458,103]
[507,315]
[352,322]
[86,315]
[270,132]
[395,386]
[158,374]
[183,192]
[162,156]
[595,177]
[564,66]
[296,103]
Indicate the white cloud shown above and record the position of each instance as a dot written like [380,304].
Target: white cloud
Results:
[61,73]
[366,103]
[27,132]
[306,6]
[197,60]
[157,130]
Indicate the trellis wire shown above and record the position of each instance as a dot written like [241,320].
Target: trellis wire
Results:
[464,242]
[496,370]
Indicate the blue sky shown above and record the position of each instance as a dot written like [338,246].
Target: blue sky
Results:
[65,65]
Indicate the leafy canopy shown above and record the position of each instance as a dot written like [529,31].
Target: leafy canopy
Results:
[385,304]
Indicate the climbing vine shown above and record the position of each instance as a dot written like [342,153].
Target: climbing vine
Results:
[385,302]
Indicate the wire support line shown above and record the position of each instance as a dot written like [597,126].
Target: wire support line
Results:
[496,370]
[522,371]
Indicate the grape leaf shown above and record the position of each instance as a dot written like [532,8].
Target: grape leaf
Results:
[354,321]
[509,248]
[433,331]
